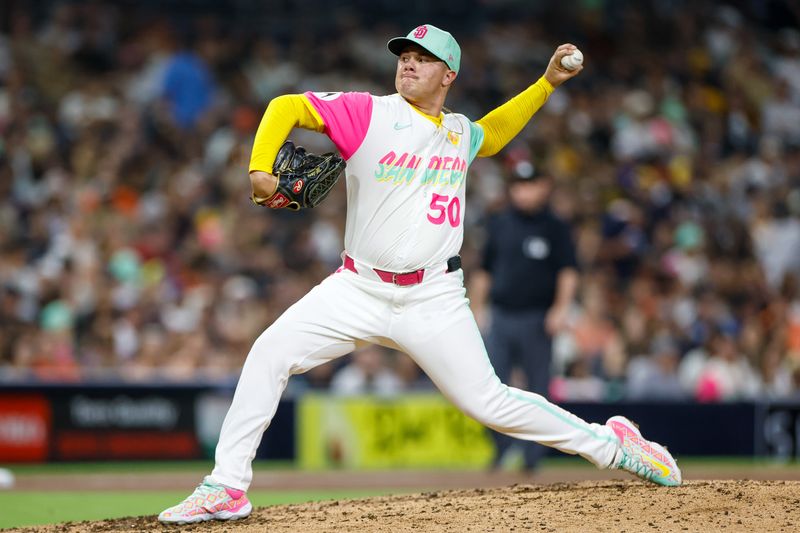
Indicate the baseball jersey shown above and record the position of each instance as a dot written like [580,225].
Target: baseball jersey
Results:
[405,175]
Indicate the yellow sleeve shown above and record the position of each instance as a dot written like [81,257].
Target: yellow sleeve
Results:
[504,123]
[283,113]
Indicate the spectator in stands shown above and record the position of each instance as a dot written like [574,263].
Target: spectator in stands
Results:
[367,373]
[578,384]
[412,377]
[726,374]
[776,373]
[595,334]
[654,376]
[776,236]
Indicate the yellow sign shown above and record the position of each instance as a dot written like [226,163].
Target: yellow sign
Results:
[412,431]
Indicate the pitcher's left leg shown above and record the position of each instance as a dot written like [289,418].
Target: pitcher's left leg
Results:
[450,350]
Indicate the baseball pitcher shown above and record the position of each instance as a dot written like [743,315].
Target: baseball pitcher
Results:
[400,283]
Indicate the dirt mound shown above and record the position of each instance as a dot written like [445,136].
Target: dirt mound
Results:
[575,507]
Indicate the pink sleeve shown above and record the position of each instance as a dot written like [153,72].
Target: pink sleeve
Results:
[346,117]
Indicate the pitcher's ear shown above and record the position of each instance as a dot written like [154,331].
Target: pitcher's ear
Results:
[449,77]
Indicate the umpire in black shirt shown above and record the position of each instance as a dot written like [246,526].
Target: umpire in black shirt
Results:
[528,279]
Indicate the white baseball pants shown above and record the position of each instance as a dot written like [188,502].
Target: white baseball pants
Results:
[432,322]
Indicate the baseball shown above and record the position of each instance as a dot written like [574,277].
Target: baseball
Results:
[572,61]
[6,479]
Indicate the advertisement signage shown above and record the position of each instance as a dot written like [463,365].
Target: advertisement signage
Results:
[24,427]
[124,424]
[415,431]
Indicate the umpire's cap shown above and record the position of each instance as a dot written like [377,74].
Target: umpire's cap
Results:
[436,41]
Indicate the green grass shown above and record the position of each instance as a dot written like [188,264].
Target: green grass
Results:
[36,508]
[139,466]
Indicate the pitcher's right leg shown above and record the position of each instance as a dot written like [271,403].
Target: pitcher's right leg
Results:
[326,323]
[289,346]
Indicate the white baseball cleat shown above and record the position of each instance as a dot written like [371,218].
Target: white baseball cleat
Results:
[641,457]
[209,501]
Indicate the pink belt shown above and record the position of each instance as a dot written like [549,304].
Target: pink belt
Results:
[403,279]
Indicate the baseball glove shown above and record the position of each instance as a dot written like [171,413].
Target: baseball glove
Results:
[304,179]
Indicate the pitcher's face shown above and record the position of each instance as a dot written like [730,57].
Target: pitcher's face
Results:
[420,75]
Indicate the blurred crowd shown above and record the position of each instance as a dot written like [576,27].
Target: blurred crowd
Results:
[130,249]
